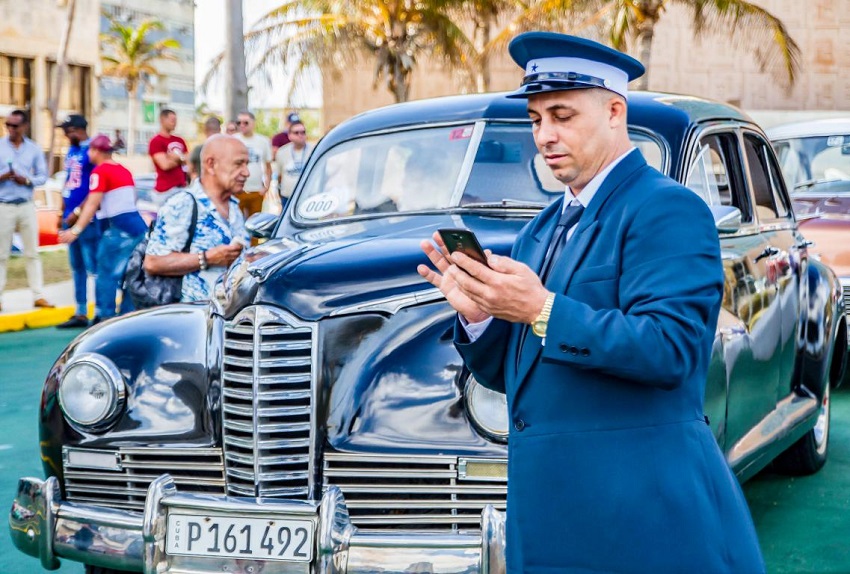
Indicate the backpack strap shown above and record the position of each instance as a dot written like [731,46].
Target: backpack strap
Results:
[193,224]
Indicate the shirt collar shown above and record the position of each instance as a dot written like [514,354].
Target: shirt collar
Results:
[586,195]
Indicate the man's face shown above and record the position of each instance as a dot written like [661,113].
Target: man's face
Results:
[168,122]
[230,169]
[16,127]
[298,134]
[95,156]
[246,124]
[572,131]
[73,135]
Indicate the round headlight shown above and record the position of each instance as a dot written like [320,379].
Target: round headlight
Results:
[91,393]
[488,410]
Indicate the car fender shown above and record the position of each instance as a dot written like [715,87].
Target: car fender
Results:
[169,358]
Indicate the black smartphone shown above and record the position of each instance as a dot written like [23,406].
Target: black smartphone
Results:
[463,240]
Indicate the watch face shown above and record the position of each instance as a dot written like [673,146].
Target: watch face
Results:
[539,328]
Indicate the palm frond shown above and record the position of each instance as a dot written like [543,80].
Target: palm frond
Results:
[751,28]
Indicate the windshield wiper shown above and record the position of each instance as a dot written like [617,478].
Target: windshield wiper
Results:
[505,204]
[813,182]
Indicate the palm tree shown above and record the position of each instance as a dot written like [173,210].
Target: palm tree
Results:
[129,53]
[631,25]
[496,22]
[331,35]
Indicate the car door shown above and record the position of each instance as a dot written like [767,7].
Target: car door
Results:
[784,256]
[740,389]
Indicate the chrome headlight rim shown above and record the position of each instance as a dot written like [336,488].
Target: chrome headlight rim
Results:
[472,390]
[116,388]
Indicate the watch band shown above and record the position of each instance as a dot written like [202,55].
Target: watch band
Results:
[202,260]
[538,326]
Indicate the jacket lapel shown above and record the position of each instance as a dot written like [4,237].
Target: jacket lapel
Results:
[573,254]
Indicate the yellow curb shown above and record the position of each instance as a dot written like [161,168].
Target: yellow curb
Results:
[35,319]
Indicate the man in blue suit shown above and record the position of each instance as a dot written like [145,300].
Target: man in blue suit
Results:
[599,329]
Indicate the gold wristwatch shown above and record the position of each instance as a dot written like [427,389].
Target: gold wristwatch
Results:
[538,326]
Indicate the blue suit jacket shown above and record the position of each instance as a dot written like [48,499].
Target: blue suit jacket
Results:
[612,467]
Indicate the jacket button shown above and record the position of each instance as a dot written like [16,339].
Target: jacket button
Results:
[573,350]
[519,424]
[585,352]
[563,348]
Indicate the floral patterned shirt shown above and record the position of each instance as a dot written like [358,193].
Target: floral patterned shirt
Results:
[172,230]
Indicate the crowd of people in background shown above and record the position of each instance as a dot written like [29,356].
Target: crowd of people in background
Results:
[227,177]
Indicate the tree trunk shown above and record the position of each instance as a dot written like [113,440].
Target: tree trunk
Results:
[132,88]
[236,78]
[644,34]
[481,39]
[61,64]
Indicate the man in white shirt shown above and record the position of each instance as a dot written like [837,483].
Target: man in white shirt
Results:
[291,159]
[259,166]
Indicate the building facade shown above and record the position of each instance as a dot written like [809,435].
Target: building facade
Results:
[30,34]
[716,66]
[173,88]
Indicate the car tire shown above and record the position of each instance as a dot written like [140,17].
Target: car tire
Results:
[808,455]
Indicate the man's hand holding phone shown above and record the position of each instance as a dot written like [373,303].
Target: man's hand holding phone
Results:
[500,287]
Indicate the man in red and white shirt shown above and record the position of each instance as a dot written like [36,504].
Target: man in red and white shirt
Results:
[112,196]
[169,155]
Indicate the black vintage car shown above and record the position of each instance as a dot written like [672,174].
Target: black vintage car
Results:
[315,417]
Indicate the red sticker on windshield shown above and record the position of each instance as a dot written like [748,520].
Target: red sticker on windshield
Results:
[461,133]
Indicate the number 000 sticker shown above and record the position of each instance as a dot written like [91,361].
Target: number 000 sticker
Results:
[318,206]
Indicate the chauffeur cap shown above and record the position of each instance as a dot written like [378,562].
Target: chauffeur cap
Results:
[555,62]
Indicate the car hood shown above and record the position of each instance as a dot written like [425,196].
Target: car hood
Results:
[318,271]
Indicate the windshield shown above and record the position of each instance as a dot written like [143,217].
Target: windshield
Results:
[423,170]
[814,159]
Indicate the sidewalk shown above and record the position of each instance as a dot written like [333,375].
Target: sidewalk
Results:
[18,312]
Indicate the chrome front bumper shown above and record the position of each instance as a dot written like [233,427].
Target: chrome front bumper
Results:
[48,528]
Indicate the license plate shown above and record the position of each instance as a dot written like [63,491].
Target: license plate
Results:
[267,538]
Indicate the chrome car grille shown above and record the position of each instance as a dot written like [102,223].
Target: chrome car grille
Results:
[197,470]
[412,492]
[267,404]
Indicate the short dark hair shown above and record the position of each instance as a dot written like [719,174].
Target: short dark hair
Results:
[247,113]
[25,118]
[297,123]
[166,112]
[213,123]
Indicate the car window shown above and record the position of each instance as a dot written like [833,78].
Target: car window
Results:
[764,179]
[420,169]
[402,171]
[714,173]
[817,158]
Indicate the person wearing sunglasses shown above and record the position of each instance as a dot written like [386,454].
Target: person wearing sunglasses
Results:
[260,165]
[22,167]
[291,159]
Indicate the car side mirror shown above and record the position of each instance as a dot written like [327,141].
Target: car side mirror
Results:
[727,218]
[261,224]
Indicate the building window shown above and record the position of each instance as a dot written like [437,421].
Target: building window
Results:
[15,81]
[76,88]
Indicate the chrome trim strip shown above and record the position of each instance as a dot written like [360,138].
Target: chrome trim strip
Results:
[391,305]
[468,160]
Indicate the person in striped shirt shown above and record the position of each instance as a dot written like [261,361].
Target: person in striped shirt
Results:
[112,197]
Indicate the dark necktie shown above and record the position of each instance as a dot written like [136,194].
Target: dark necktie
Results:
[569,217]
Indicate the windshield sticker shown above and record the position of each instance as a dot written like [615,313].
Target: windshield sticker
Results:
[318,206]
[461,133]
[835,141]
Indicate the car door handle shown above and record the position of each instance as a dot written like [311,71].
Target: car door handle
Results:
[769,251]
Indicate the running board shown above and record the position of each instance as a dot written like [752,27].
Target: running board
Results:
[789,413]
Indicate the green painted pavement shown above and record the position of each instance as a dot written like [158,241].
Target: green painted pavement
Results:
[801,521]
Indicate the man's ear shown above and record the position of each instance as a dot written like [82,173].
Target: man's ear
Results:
[617,111]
